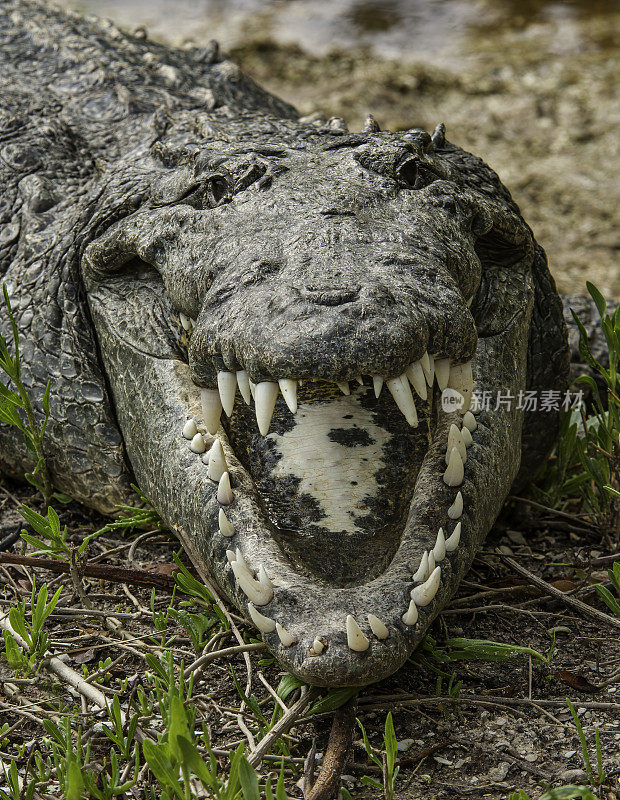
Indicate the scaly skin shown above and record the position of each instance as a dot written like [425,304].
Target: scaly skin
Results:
[167,224]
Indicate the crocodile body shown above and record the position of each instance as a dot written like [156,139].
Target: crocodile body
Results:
[175,239]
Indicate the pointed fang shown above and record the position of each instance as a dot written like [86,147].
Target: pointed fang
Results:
[442,372]
[401,392]
[265,397]
[285,637]
[254,590]
[288,387]
[211,409]
[243,382]
[264,578]
[469,421]
[377,382]
[428,365]
[455,472]
[439,551]
[217,461]
[377,627]
[455,439]
[197,445]
[263,623]
[424,594]
[227,385]
[225,494]
[415,373]
[410,617]
[226,529]
[190,429]
[355,638]
[422,573]
[452,542]
[456,509]
[344,387]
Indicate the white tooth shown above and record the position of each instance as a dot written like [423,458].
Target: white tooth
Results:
[455,439]
[244,385]
[359,379]
[410,617]
[452,542]
[288,387]
[231,556]
[344,387]
[428,365]
[252,388]
[462,380]
[265,397]
[217,461]
[243,563]
[263,623]
[211,409]
[456,509]
[264,578]
[225,494]
[227,384]
[439,551]
[226,529]
[254,590]
[186,322]
[415,373]
[455,472]
[377,382]
[422,595]
[422,573]
[377,627]
[431,562]
[190,429]
[355,638]
[469,421]
[467,438]
[401,392]
[318,646]
[286,638]
[197,445]
[442,372]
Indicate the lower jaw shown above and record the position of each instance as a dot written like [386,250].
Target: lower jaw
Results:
[314,615]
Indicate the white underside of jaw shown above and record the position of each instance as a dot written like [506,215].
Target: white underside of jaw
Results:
[341,479]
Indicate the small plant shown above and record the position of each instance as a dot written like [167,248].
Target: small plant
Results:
[585,469]
[561,793]
[612,603]
[599,778]
[16,408]
[30,631]
[387,762]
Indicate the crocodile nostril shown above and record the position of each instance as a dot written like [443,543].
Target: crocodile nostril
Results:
[336,296]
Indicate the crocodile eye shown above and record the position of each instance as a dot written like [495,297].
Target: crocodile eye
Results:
[217,190]
[408,174]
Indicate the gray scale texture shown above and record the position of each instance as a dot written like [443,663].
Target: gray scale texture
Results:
[139,182]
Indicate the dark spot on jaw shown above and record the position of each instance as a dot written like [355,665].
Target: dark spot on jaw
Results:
[351,437]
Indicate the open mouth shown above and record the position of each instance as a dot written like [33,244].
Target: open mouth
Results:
[339,473]
[335,465]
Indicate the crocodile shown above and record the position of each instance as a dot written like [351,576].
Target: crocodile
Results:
[275,326]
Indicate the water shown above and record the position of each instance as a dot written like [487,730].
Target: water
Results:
[439,32]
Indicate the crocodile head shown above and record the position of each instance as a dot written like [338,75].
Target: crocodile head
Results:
[292,325]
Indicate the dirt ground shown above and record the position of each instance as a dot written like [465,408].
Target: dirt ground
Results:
[509,728]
